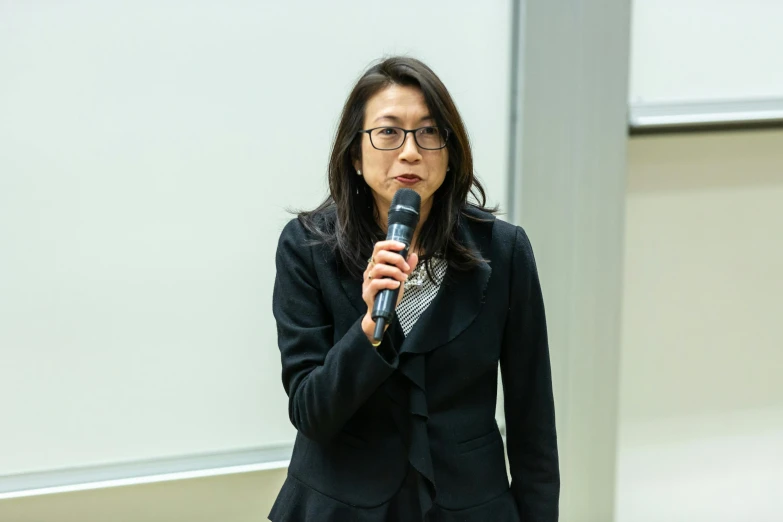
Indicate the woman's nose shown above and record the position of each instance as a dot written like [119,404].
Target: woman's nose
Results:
[410,149]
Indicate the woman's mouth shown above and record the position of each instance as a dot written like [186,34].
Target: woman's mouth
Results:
[408,179]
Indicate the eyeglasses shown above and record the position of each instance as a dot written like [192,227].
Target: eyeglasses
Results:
[391,138]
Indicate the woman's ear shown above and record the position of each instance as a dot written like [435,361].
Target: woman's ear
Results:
[356,155]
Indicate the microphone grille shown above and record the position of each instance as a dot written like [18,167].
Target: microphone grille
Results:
[407,197]
[405,207]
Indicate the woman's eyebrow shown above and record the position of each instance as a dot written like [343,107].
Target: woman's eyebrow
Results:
[395,119]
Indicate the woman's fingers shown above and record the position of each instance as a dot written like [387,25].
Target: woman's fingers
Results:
[387,252]
[387,270]
[381,284]
[388,244]
[413,261]
[381,270]
[374,286]
[386,257]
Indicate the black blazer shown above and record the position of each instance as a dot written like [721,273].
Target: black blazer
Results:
[424,406]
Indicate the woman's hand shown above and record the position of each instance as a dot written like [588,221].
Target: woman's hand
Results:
[387,269]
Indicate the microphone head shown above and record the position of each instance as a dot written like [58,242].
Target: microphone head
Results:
[405,207]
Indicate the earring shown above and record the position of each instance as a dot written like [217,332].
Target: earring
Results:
[359,172]
[448,169]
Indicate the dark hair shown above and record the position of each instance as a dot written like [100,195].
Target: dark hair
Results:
[354,230]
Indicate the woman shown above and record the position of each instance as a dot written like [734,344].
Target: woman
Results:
[405,430]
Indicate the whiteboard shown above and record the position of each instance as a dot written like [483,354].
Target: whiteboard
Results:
[148,153]
[706,50]
[703,61]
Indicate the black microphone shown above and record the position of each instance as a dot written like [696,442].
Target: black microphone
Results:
[403,218]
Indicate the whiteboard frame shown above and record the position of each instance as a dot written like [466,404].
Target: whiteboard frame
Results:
[705,114]
[146,472]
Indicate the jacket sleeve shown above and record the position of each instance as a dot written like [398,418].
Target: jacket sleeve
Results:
[326,382]
[527,387]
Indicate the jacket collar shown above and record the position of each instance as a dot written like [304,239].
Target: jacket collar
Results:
[459,300]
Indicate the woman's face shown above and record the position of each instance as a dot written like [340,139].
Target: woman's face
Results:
[410,166]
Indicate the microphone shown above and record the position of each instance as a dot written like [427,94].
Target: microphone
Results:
[403,218]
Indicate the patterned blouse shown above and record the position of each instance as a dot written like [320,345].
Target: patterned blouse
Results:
[420,290]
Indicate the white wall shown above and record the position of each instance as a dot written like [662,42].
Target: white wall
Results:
[701,394]
[147,153]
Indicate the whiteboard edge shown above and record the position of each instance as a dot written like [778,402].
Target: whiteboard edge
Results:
[148,472]
[721,112]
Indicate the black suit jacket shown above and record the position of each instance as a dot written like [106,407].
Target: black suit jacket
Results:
[366,417]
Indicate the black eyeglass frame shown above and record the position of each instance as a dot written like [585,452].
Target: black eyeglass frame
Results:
[405,136]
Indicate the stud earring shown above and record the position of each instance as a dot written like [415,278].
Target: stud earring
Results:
[359,172]
[448,169]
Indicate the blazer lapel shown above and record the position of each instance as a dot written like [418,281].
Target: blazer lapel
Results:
[460,298]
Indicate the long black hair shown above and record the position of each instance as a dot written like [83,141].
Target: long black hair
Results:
[355,229]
